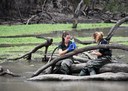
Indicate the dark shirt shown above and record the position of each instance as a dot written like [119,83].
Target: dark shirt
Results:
[63,46]
[104,51]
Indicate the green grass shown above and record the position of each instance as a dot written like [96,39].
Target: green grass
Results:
[21,40]
[45,28]
[41,29]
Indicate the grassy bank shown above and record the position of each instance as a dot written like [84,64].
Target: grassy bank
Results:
[41,29]
[45,28]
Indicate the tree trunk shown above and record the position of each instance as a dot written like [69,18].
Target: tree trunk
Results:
[99,77]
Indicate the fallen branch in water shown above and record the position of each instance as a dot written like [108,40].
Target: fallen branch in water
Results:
[8,72]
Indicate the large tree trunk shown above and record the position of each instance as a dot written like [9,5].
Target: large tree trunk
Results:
[119,72]
[99,77]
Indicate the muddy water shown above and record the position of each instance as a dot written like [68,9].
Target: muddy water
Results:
[121,31]
[25,69]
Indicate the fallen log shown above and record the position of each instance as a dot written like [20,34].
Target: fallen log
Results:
[99,77]
[111,67]
[114,67]
[80,8]
[77,51]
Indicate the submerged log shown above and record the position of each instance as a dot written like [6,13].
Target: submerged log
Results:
[7,72]
[99,77]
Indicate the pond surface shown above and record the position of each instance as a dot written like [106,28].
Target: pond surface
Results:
[121,32]
[25,69]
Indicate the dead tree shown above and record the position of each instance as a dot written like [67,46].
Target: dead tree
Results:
[29,54]
[114,28]
[77,51]
[79,9]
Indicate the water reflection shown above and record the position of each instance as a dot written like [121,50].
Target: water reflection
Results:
[63,86]
[82,86]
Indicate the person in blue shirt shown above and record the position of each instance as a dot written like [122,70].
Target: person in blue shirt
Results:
[64,47]
[103,56]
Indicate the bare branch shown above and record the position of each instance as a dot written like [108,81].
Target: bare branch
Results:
[114,28]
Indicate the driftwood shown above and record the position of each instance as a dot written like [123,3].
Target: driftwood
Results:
[99,77]
[77,51]
[8,72]
[29,54]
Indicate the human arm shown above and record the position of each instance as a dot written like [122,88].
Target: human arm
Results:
[71,47]
[96,53]
[101,50]
[61,52]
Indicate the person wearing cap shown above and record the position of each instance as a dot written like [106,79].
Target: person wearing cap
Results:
[103,56]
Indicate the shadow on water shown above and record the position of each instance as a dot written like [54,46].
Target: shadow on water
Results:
[25,69]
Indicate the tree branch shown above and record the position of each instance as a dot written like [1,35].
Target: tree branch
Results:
[114,28]
[28,55]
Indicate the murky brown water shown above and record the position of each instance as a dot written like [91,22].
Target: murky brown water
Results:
[121,31]
[8,83]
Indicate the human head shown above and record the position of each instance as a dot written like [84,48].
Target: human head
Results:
[98,36]
[66,37]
